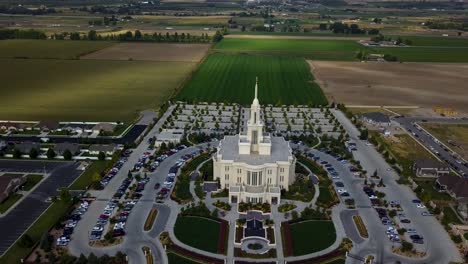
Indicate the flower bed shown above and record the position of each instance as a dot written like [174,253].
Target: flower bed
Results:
[271,235]
[264,207]
[239,234]
[238,252]
[287,239]
[223,236]
[150,219]
[360,226]
[286,207]
[222,205]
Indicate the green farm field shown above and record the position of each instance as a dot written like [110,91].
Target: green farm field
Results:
[426,54]
[450,50]
[231,78]
[311,49]
[437,41]
[49,49]
[86,90]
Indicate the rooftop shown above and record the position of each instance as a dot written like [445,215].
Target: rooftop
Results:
[377,117]
[280,151]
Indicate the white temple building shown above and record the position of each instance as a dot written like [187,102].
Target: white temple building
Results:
[254,167]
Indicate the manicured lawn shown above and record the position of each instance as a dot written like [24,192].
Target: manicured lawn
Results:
[49,49]
[31,181]
[450,217]
[231,78]
[428,186]
[86,90]
[9,202]
[176,259]
[201,233]
[312,49]
[87,177]
[312,236]
[42,224]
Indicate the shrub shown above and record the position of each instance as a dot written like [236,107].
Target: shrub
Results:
[406,246]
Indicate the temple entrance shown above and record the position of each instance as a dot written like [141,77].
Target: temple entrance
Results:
[234,199]
[274,200]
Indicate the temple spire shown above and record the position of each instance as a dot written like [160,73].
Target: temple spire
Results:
[256,87]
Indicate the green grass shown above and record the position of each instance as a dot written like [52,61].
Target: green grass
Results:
[450,217]
[35,231]
[436,41]
[198,232]
[87,177]
[9,202]
[231,78]
[342,50]
[176,259]
[426,54]
[312,236]
[85,90]
[453,50]
[49,49]
[31,181]
[428,186]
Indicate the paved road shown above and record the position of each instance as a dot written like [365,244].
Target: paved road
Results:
[439,246]
[62,174]
[79,242]
[410,124]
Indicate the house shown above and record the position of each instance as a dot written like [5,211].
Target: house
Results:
[48,125]
[457,187]
[103,127]
[60,148]
[376,118]
[167,136]
[425,167]
[25,147]
[9,185]
[107,149]
[72,128]
[9,126]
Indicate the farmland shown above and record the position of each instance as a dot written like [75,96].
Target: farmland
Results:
[426,54]
[402,84]
[86,90]
[44,49]
[151,52]
[345,50]
[231,78]
[312,49]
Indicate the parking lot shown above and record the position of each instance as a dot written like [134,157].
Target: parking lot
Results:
[62,174]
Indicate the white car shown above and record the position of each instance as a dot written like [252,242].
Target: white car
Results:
[341,191]
[98,228]
[411,231]
[420,206]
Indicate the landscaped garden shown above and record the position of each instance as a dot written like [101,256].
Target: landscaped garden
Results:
[307,237]
[301,190]
[31,181]
[244,207]
[9,202]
